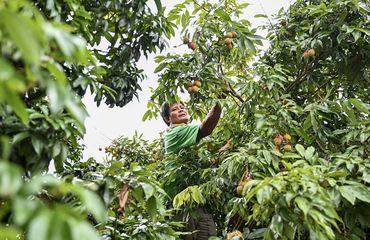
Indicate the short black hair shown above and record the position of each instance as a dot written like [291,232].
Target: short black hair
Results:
[165,111]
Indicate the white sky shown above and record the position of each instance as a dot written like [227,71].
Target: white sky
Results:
[106,124]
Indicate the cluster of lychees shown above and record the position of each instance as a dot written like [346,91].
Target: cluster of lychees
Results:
[282,142]
[193,86]
[228,39]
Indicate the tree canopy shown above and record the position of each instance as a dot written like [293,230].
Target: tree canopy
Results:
[295,120]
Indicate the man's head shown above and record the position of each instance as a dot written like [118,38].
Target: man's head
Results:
[174,113]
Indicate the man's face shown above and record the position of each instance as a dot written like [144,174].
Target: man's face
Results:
[178,114]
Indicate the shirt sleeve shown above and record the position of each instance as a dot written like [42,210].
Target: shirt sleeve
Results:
[180,137]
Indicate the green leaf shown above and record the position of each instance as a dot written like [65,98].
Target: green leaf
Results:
[10,179]
[351,192]
[81,230]
[264,194]
[151,206]
[291,155]
[257,234]
[37,144]
[147,114]
[185,19]
[267,155]
[356,35]
[361,192]
[93,203]
[359,105]
[250,45]
[308,154]
[20,137]
[57,96]
[289,231]
[160,67]
[348,193]
[158,5]
[60,158]
[56,149]
[220,12]
[7,70]
[300,149]
[21,34]
[18,106]
[277,225]
[24,210]
[9,233]
[348,110]
[77,110]
[337,174]
[260,16]
[59,228]
[254,37]
[366,178]
[148,190]
[39,226]
[68,44]
[197,195]
[303,204]
[56,70]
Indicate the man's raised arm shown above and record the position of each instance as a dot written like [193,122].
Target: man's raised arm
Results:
[210,122]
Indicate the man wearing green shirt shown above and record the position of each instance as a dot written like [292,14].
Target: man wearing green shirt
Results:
[181,135]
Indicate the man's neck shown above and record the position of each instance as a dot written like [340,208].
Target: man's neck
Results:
[177,124]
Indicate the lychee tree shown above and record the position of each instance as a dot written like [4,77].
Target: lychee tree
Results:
[49,58]
[297,116]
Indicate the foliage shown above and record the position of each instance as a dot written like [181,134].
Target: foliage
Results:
[314,184]
[117,34]
[50,56]
[130,167]
[296,119]
[211,61]
[45,207]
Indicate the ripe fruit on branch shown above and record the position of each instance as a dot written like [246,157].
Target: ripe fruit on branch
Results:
[228,40]
[192,45]
[234,34]
[185,40]
[324,183]
[288,147]
[287,137]
[229,35]
[189,84]
[197,83]
[278,139]
[309,53]
[190,90]
[195,89]
[229,46]
[233,234]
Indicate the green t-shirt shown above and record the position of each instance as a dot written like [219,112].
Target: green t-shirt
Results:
[180,137]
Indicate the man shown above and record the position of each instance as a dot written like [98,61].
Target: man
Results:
[181,135]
